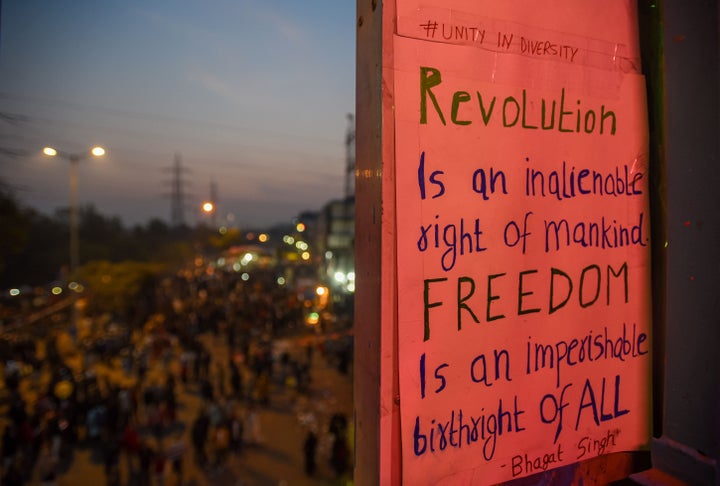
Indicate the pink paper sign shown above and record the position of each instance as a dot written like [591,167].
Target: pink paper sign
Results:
[523,242]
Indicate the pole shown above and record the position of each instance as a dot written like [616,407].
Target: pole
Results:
[74,216]
[74,236]
[74,160]
[376,379]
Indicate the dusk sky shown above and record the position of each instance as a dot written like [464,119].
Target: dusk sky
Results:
[252,95]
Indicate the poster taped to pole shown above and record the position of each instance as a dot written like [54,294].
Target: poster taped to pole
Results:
[523,257]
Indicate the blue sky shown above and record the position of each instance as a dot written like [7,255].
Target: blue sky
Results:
[253,95]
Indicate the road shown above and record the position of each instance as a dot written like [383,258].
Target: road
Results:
[278,460]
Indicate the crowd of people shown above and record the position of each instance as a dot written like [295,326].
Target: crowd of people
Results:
[128,416]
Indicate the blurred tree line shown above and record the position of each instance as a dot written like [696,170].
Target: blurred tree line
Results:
[34,248]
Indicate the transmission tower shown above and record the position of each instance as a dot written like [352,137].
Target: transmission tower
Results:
[177,193]
[350,157]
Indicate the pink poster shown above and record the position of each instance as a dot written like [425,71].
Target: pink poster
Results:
[523,237]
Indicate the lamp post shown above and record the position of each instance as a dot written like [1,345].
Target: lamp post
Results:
[74,159]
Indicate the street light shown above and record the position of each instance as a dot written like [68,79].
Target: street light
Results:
[208,208]
[74,158]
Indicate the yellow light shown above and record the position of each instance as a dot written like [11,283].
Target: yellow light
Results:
[50,152]
[97,151]
[263,237]
[208,207]
[305,255]
[300,227]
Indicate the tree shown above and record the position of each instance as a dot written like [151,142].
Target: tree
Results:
[15,226]
[116,286]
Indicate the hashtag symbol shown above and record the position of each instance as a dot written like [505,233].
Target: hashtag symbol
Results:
[430,28]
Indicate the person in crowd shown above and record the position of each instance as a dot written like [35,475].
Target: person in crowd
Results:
[171,405]
[220,378]
[14,475]
[309,452]
[221,435]
[130,445]
[46,466]
[125,399]
[146,458]
[262,389]
[236,430]
[206,390]
[340,453]
[10,445]
[175,454]
[159,466]
[236,380]
[111,451]
[199,434]
[252,435]
[185,367]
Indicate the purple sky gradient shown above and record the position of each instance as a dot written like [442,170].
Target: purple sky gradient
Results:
[253,95]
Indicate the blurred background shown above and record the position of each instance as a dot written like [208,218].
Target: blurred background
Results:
[176,241]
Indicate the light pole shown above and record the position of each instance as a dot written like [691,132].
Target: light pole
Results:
[74,159]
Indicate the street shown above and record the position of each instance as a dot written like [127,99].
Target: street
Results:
[278,460]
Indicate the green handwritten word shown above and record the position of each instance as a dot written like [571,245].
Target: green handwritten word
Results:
[511,112]
[516,294]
